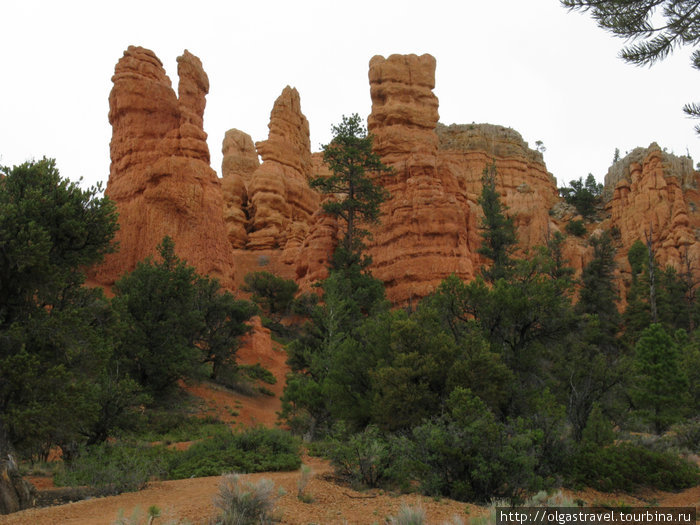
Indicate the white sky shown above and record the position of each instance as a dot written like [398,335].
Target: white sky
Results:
[530,65]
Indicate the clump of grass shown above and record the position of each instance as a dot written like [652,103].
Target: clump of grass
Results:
[244,503]
[541,499]
[304,478]
[408,515]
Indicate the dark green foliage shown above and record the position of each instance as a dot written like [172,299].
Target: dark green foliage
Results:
[660,387]
[584,196]
[253,450]
[354,168]
[655,37]
[175,321]
[575,227]
[594,363]
[50,230]
[273,294]
[629,467]
[598,294]
[410,382]
[115,468]
[599,429]
[674,295]
[329,362]
[468,455]
[59,383]
[498,232]
[690,363]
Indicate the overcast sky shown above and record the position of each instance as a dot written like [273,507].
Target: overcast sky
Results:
[551,75]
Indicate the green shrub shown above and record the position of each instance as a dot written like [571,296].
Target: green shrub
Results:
[254,450]
[686,436]
[628,467]
[363,459]
[305,474]
[258,372]
[468,455]
[233,378]
[575,227]
[115,468]
[246,503]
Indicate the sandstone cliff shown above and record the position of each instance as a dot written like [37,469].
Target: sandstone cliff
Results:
[160,178]
[265,216]
[430,225]
[651,190]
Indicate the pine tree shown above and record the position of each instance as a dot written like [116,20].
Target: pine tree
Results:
[356,194]
[498,232]
[660,391]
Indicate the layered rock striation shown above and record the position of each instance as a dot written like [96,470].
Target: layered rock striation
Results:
[160,178]
[424,235]
[280,201]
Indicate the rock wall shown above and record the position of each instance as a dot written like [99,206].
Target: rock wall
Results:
[160,178]
[657,191]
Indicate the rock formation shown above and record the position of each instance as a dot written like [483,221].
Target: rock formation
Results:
[430,225]
[657,191]
[425,225]
[240,160]
[280,201]
[265,216]
[160,178]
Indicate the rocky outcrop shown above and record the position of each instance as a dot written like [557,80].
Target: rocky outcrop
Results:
[240,160]
[522,179]
[160,178]
[656,191]
[280,201]
[424,232]
[430,225]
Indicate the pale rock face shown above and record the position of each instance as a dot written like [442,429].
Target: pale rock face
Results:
[160,178]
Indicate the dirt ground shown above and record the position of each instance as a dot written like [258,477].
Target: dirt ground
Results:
[193,500]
